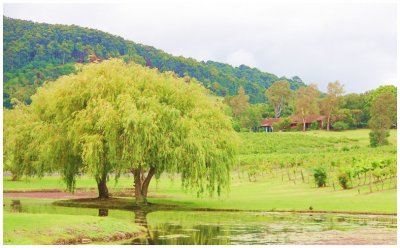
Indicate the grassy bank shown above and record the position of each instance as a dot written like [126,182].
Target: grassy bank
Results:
[26,228]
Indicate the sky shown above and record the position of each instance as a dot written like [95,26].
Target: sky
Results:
[319,41]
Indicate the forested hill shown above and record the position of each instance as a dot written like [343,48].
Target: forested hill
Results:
[35,52]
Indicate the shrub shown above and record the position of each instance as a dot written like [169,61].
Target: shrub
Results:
[300,126]
[344,180]
[276,126]
[340,125]
[283,125]
[344,176]
[236,126]
[378,137]
[320,176]
[314,125]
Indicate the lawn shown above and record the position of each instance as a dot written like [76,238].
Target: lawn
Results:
[270,188]
[269,191]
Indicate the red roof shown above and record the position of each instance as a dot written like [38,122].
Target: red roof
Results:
[295,119]
[268,122]
[309,118]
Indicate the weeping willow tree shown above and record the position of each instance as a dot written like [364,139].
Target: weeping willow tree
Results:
[111,118]
[17,137]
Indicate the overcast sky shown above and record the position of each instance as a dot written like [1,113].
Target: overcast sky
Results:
[354,43]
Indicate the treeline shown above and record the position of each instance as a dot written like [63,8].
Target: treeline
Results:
[36,52]
[342,111]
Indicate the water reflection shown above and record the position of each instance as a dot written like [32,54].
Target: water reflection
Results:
[141,220]
[221,228]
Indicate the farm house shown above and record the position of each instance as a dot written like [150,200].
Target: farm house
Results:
[267,123]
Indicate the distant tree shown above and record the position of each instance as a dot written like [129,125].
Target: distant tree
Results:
[297,79]
[278,95]
[356,104]
[251,117]
[331,101]
[371,95]
[66,48]
[383,117]
[239,103]
[306,102]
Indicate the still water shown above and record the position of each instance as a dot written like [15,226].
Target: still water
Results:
[212,228]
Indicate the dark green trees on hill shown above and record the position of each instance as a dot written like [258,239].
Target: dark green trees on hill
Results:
[35,52]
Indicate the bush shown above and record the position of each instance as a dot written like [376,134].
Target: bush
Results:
[378,137]
[276,127]
[340,125]
[344,180]
[320,176]
[300,126]
[344,176]
[236,125]
[345,149]
[244,129]
[283,125]
[314,125]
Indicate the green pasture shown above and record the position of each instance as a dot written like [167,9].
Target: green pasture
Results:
[271,189]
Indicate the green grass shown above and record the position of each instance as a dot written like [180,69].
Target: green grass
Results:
[27,228]
[55,182]
[268,192]
[43,223]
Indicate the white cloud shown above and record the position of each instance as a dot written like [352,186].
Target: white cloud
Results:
[241,57]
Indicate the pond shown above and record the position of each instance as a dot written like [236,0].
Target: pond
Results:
[221,227]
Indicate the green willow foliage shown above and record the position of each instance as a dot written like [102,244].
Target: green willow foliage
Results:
[114,117]
[17,127]
[35,52]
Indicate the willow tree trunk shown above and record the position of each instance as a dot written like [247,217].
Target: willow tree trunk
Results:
[142,184]
[102,187]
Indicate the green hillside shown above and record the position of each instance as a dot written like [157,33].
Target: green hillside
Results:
[36,52]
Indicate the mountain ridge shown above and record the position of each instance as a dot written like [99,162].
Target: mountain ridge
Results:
[35,52]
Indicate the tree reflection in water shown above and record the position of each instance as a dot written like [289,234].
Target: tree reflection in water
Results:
[176,234]
[141,220]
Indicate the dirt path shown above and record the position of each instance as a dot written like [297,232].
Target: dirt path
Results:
[51,194]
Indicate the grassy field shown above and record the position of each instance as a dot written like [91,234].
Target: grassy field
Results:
[269,188]
[268,191]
